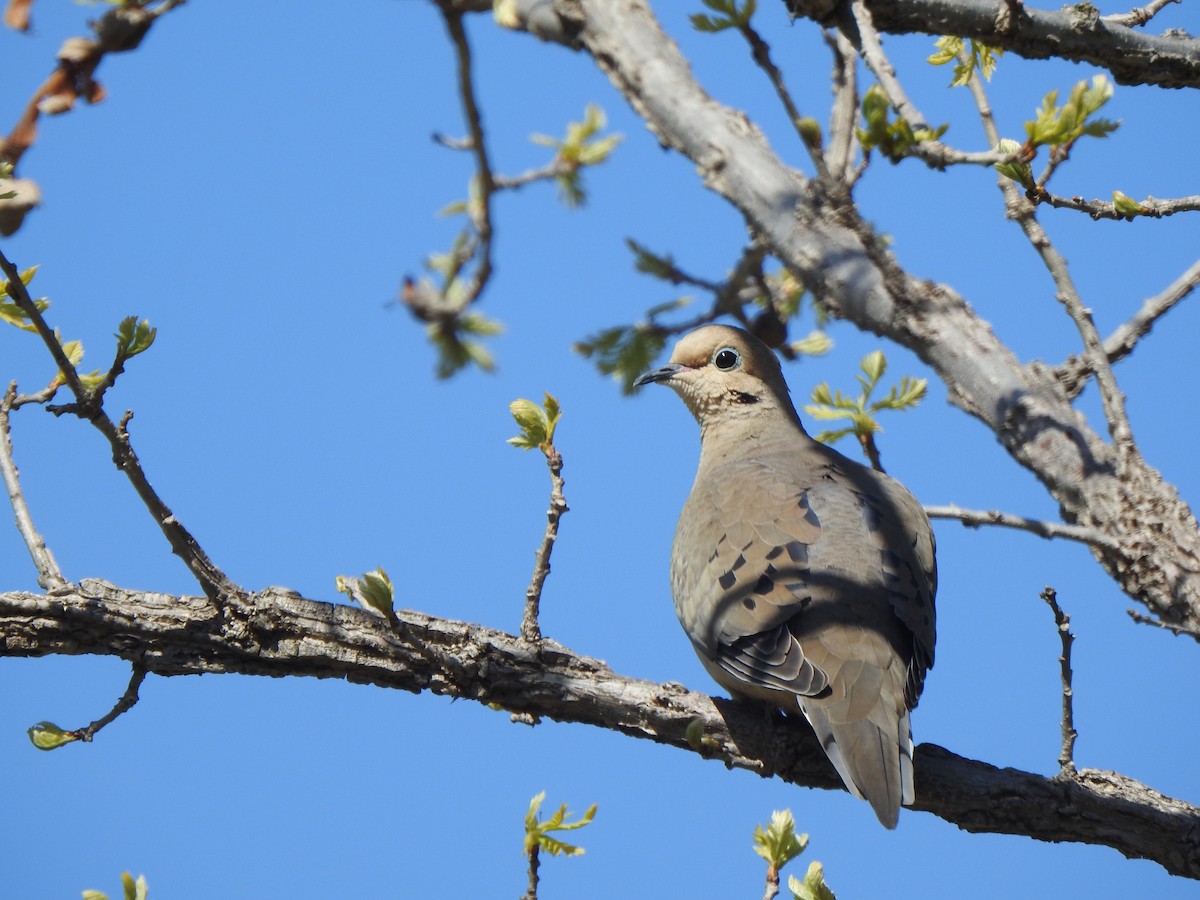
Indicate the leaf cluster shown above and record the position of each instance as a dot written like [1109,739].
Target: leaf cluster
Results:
[860,410]
[455,349]
[578,149]
[537,833]
[729,15]
[537,423]
[894,138]
[1058,125]
[133,337]
[779,844]
[626,351]
[13,314]
[982,58]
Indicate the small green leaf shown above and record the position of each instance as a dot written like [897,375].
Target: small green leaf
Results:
[815,343]
[813,887]
[14,315]
[874,364]
[1018,171]
[48,736]
[623,352]
[373,591]
[94,895]
[1127,206]
[729,15]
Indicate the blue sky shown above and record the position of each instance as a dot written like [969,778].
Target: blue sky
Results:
[257,183]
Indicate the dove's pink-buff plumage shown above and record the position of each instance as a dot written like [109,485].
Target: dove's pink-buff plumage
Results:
[802,577]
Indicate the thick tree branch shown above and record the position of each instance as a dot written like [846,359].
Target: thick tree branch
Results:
[1075,33]
[278,633]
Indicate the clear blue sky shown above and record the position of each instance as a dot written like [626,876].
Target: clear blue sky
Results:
[258,181]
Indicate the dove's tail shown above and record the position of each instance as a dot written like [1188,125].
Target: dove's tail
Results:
[875,762]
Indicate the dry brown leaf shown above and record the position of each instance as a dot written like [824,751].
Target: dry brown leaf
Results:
[16,14]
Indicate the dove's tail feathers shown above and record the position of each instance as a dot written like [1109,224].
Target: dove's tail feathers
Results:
[875,763]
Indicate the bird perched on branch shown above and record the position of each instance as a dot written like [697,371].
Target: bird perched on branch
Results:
[802,577]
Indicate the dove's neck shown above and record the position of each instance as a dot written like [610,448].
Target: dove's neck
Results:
[737,429]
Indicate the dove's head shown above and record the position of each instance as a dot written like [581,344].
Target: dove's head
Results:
[726,375]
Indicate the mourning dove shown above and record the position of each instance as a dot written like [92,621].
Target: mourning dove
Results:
[802,577]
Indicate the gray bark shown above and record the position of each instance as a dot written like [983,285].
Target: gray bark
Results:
[278,633]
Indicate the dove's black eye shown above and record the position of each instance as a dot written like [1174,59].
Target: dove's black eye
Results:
[727,359]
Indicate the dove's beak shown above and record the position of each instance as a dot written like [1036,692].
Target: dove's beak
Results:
[666,373]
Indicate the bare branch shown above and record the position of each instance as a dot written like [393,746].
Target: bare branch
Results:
[530,630]
[126,702]
[1066,757]
[50,576]
[1074,372]
[1176,630]
[843,118]
[1139,15]
[279,634]
[975,518]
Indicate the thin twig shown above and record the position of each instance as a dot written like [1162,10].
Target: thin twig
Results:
[530,630]
[843,141]
[50,576]
[975,85]
[1074,372]
[871,449]
[1066,756]
[975,518]
[128,700]
[1149,208]
[212,580]
[532,891]
[1025,214]
[1139,15]
[1176,630]
[772,890]
[481,213]
[760,51]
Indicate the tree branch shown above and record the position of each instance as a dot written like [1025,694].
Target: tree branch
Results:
[277,633]
[974,518]
[1074,33]
[1073,374]
[50,576]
